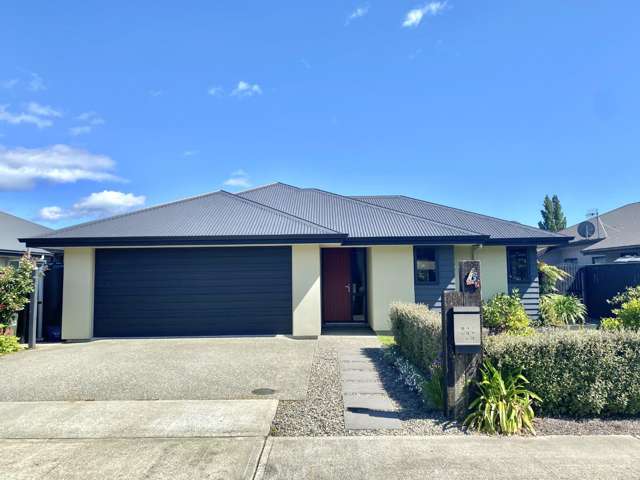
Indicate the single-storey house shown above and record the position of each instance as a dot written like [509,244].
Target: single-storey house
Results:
[279,260]
[607,238]
[12,228]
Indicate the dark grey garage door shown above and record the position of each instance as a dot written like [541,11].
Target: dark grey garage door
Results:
[192,291]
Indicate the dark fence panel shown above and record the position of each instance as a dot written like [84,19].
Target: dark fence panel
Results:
[601,282]
[574,284]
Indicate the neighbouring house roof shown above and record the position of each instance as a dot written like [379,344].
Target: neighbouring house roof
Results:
[12,228]
[279,213]
[614,230]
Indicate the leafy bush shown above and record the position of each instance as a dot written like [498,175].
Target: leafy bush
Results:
[578,373]
[610,324]
[16,284]
[505,313]
[9,344]
[559,310]
[418,333]
[550,275]
[503,405]
[629,314]
[630,293]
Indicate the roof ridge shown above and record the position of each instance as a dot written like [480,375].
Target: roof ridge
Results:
[279,212]
[474,213]
[127,214]
[260,187]
[397,211]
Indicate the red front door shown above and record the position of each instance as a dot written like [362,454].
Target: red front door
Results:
[336,284]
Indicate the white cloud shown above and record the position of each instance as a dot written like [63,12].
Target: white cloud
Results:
[239,178]
[82,130]
[36,84]
[245,89]
[190,153]
[215,90]
[21,168]
[10,83]
[415,16]
[19,118]
[42,110]
[92,118]
[99,204]
[51,213]
[357,13]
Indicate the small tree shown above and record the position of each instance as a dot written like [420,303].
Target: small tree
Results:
[553,218]
[16,285]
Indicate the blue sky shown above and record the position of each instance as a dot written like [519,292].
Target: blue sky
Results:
[482,105]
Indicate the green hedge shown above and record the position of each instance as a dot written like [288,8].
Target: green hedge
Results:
[418,333]
[577,373]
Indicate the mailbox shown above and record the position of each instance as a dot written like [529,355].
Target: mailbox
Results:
[467,330]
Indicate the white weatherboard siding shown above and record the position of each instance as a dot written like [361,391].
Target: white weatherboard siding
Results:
[307,302]
[77,302]
[390,279]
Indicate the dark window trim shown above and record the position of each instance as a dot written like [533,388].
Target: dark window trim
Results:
[529,278]
[436,252]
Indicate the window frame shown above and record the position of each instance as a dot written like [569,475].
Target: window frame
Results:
[598,257]
[529,276]
[436,259]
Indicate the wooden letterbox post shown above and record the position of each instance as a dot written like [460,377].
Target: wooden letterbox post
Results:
[461,338]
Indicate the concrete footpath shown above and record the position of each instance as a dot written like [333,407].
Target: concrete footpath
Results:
[130,440]
[451,457]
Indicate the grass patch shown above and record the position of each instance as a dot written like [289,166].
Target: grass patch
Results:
[387,340]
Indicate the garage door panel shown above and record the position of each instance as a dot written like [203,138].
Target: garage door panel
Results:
[192,291]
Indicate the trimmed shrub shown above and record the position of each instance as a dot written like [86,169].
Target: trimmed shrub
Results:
[505,313]
[418,333]
[577,373]
[9,344]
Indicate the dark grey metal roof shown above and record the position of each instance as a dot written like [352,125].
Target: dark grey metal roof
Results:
[214,216]
[358,219]
[498,230]
[614,230]
[280,213]
[12,228]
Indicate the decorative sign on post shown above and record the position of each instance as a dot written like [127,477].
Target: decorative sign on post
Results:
[461,338]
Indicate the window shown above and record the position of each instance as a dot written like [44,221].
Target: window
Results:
[570,260]
[426,265]
[518,265]
[598,260]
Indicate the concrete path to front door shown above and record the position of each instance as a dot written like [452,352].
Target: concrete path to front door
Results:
[367,406]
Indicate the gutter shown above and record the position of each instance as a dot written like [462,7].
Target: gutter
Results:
[155,241]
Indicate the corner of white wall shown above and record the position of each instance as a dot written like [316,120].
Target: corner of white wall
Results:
[77,291]
[306,293]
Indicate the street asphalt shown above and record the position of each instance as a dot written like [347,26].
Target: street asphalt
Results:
[160,369]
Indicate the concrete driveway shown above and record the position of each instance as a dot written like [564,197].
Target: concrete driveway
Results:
[159,369]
